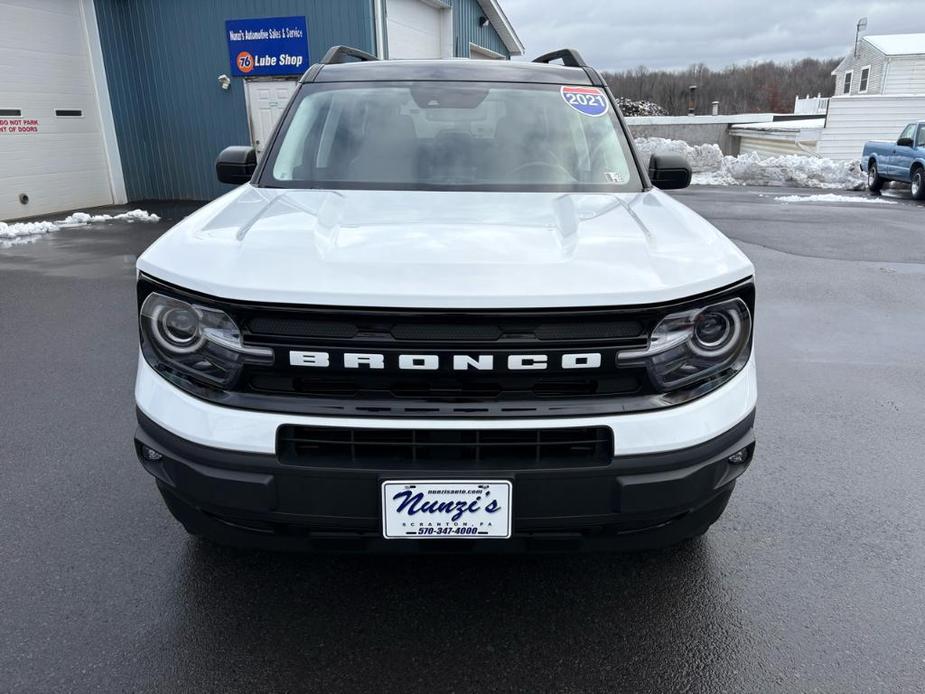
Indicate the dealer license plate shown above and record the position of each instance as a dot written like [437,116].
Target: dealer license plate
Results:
[442,509]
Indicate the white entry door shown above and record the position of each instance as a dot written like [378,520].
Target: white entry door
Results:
[419,28]
[266,101]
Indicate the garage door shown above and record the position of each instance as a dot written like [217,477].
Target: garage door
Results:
[415,29]
[51,143]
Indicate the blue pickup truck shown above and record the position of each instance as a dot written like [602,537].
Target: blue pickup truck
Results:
[903,160]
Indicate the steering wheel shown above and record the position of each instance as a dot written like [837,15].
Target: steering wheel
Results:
[540,165]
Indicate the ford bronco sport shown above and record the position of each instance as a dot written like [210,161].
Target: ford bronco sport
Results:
[449,309]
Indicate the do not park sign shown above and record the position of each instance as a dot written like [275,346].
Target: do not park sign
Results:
[268,46]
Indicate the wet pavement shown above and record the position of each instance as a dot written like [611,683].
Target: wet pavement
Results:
[811,581]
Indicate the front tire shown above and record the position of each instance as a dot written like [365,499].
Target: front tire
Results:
[874,182]
[918,184]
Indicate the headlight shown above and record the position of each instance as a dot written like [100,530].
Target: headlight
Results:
[192,344]
[697,345]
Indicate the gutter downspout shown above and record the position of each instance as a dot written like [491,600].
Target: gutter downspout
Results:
[379,28]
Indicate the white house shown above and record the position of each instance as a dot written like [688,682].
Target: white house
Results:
[879,88]
[886,64]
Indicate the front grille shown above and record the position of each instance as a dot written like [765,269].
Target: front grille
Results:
[496,390]
[459,449]
[445,391]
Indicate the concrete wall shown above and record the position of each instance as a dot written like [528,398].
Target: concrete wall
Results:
[695,130]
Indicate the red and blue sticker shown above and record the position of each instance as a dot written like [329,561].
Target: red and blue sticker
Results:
[589,101]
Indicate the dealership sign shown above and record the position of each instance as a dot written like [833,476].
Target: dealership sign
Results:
[268,46]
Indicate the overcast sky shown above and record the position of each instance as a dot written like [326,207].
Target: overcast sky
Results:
[620,34]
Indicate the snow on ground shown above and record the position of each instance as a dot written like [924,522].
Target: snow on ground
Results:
[15,230]
[832,197]
[18,241]
[710,167]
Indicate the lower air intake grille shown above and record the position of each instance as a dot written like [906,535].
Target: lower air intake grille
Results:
[469,449]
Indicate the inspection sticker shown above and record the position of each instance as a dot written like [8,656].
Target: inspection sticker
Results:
[587,100]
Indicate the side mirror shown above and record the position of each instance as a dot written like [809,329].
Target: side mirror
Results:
[669,171]
[904,142]
[236,165]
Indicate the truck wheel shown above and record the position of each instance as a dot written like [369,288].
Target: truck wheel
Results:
[918,184]
[874,182]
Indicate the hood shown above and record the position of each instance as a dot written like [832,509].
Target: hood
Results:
[422,249]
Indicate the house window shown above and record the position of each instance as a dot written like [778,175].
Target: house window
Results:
[865,76]
[847,89]
[10,112]
[69,113]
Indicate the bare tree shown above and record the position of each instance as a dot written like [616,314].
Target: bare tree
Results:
[758,87]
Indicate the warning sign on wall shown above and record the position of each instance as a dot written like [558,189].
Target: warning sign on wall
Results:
[19,126]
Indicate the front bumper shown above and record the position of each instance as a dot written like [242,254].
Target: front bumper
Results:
[635,501]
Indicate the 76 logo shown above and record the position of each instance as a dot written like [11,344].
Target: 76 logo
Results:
[245,62]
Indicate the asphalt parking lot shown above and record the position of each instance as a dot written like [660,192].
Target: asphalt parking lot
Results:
[812,581]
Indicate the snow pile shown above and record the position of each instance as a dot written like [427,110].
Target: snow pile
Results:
[82,218]
[710,167]
[832,197]
[11,231]
[702,158]
[18,229]
[787,170]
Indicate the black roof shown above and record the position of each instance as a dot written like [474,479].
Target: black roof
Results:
[454,70]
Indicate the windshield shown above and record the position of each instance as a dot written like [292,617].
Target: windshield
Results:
[451,136]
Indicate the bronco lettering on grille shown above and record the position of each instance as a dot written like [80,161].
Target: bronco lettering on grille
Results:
[460,362]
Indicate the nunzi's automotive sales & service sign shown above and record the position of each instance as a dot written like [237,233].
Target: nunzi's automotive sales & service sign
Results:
[267,46]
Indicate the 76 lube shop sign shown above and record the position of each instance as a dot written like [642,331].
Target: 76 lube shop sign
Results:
[267,46]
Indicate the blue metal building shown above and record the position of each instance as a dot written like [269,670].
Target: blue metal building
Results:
[178,96]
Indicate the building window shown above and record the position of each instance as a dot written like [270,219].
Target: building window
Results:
[865,76]
[847,89]
[10,112]
[69,113]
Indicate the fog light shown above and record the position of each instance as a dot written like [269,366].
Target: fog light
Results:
[738,457]
[150,454]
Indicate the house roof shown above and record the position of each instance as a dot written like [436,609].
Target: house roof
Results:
[499,20]
[898,44]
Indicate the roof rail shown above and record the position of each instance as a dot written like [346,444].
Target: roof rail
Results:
[339,54]
[569,57]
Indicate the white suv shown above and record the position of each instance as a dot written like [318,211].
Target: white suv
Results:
[446,311]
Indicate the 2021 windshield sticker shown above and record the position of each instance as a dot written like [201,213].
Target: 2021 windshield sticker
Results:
[589,101]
